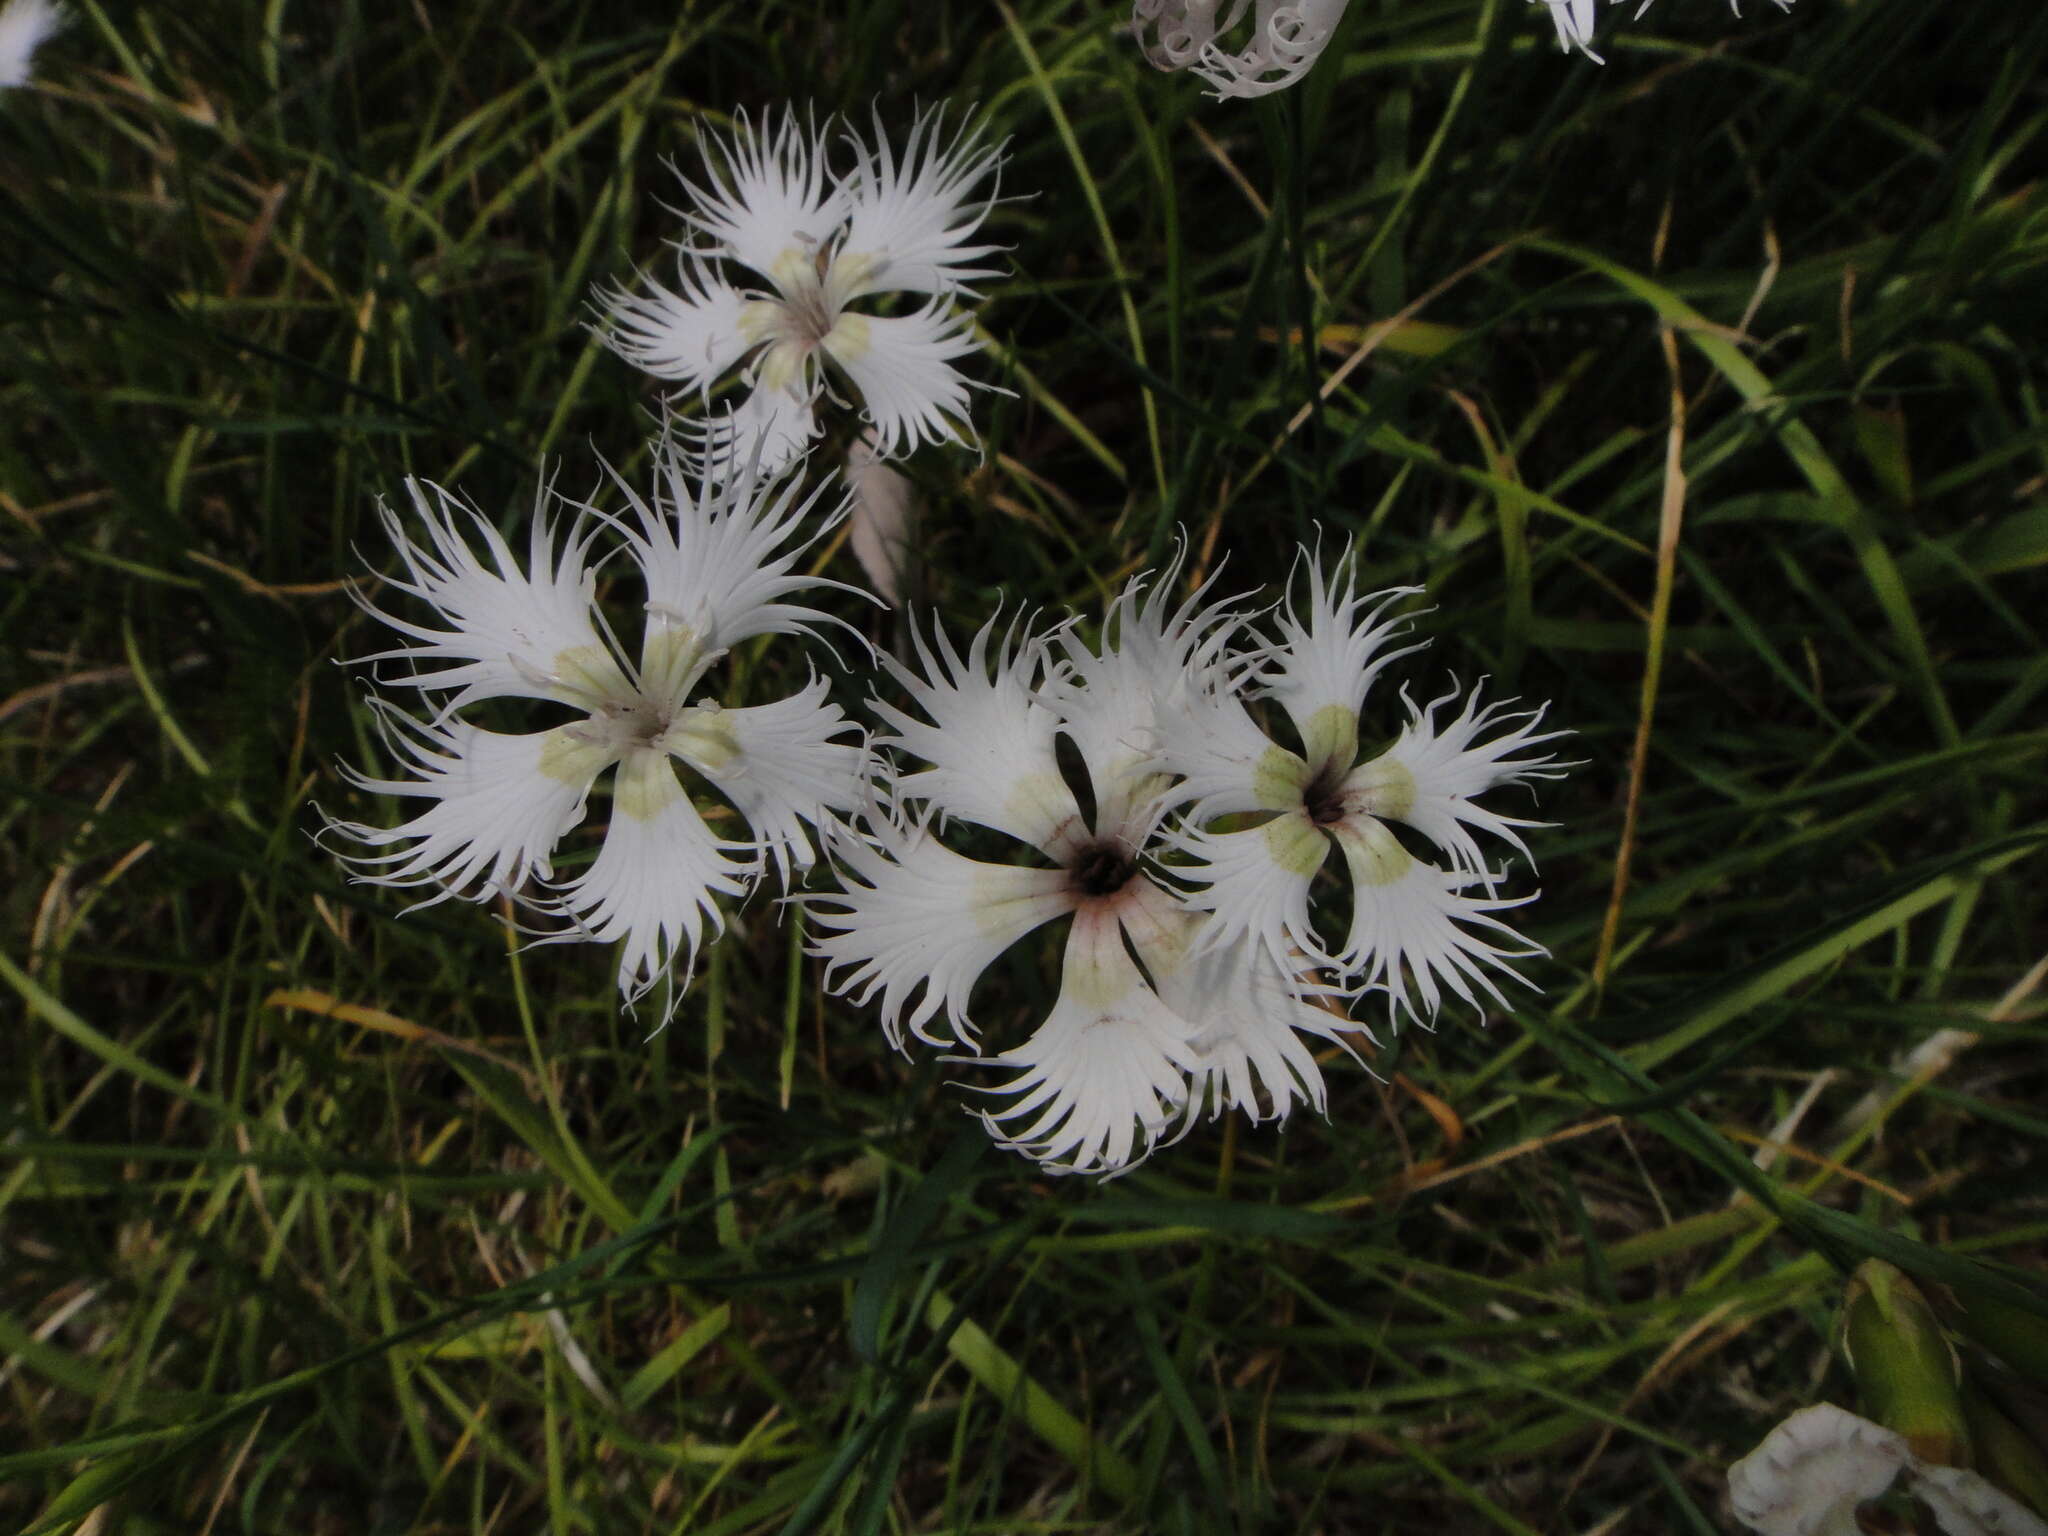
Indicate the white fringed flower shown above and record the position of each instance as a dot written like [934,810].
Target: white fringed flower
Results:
[717,567]
[1287,37]
[1147,1021]
[1575,20]
[1417,928]
[822,241]
[25,25]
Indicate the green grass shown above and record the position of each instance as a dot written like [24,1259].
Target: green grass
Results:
[319,1217]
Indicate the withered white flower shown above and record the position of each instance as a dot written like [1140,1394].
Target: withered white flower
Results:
[1149,1021]
[25,25]
[1812,1472]
[782,252]
[1287,37]
[1417,927]
[1575,20]
[1966,1503]
[716,567]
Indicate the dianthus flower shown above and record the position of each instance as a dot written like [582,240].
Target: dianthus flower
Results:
[1414,923]
[1815,1470]
[782,250]
[1575,19]
[1151,1019]
[1287,38]
[716,568]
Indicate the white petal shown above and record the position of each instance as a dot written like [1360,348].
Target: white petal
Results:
[989,742]
[512,632]
[1225,762]
[1328,660]
[1429,776]
[768,431]
[1244,1016]
[1574,20]
[1287,40]
[767,199]
[1810,1473]
[915,919]
[501,803]
[883,519]
[1256,882]
[652,886]
[910,392]
[719,560]
[779,764]
[1411,921]
[910,218]
[690,334]
[25,25]
[1965,1503]
[1152,660]
[1107,1070]
[1180,29]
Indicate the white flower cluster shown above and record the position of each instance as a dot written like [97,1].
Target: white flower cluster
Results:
[1286,37]
[714,544]
[1171,792]
[1129,788]
[715,567]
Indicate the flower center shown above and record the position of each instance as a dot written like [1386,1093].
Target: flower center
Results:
[624,724]
[1323,797]
[1101,868]
[804,310]
[810,316]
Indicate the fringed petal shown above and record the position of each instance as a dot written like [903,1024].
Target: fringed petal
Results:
[1152,662]
[783,766]
[1327,661]
[1175,33]
[911,218]
[1287,37]
[1248,1021]
[1413,924]
[988,740]
[902,367]
[914,920]
[690,335]
[1431,773]
[654,884]
[719,560]
[1224,762]
[1105,1074]
[1811,1472]
[511,631]
[1286,42]
[1256,882]
[768,200]
[768,431]
[501,803]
